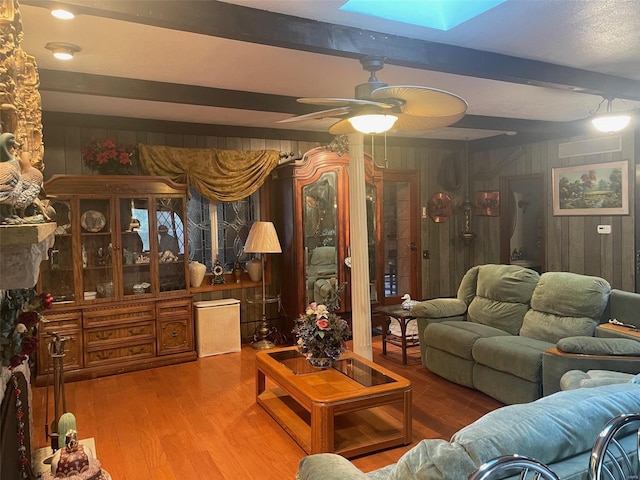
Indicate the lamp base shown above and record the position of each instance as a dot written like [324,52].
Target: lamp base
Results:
[263,344]
[262,332]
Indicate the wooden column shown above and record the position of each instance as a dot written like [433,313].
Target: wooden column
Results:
[360,292]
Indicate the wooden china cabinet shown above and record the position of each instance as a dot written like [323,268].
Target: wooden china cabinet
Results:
[119,302]
[313,223]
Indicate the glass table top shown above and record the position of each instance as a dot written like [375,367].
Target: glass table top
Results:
[351,367]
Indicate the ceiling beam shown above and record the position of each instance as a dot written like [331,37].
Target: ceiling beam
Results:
[117,87]
[259,26]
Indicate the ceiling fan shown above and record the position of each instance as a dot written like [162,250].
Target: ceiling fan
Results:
[406,107]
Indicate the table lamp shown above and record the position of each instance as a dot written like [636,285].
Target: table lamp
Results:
[263,239]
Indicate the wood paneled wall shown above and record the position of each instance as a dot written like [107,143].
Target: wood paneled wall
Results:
[572,243]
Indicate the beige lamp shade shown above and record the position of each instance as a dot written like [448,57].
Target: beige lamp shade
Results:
[262,239]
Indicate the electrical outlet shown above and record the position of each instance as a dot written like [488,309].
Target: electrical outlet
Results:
[424,212]
[604,229]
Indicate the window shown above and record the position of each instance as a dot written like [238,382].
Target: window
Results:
[220,229]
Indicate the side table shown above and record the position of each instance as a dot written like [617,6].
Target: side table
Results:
[403,316]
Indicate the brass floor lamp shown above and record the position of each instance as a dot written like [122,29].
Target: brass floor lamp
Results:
[263,239]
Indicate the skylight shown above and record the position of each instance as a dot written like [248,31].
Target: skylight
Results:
[438,14]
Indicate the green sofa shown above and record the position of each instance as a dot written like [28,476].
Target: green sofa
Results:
[493,335]
[558,430]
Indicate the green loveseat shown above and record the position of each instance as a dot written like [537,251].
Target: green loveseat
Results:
[558,430]
[492,337]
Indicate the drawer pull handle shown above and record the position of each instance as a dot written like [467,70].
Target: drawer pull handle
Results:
[136,351]
[138,331]
[104,335]
[104,355]
[174,333]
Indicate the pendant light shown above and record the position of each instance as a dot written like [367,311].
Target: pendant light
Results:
[610,122]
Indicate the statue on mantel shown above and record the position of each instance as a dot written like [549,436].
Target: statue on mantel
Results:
[20,187]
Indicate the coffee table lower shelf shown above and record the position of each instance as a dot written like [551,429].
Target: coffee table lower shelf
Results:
[354,432]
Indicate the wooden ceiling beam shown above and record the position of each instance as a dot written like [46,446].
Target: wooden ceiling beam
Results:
[246,24]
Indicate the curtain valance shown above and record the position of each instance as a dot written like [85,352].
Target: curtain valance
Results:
[219,175]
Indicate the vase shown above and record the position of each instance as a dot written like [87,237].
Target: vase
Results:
[197,272]
[254,267]
[237,272]
[321,362]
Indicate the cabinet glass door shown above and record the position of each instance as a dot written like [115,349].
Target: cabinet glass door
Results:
[319,220]
[170,214]
[96,246]
[57,273]
[371,240]
[135,250]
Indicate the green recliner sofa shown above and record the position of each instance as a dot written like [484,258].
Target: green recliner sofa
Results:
[492,337]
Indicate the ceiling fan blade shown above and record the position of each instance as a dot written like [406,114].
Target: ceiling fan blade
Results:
[422,101]
[409,123]
[343,127]
[334,112]
[345,102]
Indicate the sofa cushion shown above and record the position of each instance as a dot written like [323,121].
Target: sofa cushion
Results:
[502,296]
[519,356]
[599,346]
[549,327]
[458,337]
[568,294]
[551,428]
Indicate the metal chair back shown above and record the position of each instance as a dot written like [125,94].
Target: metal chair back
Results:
[510,465]
[610,459]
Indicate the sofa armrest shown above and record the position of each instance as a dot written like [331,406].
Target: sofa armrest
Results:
[439,308]
[555,363]
[328,466]
[599,346]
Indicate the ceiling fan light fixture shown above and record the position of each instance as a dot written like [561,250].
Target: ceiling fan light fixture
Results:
[610,122]
[370,124]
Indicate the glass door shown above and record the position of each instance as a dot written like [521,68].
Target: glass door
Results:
[96,246]
[319,227]
[401,236]
[135,250]
[58,277]
[170,231]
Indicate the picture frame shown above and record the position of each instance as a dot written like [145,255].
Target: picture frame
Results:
[488,203]
[593,189]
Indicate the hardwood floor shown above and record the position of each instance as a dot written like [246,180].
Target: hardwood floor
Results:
[199,420]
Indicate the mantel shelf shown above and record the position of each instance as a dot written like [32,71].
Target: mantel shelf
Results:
[25,234]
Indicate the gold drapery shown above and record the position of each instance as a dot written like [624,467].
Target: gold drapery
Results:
[219,175]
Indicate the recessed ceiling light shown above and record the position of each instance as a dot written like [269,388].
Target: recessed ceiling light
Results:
[62,14]
[62,51]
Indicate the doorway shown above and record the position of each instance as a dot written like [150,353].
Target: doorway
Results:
[522,221]
[401,243]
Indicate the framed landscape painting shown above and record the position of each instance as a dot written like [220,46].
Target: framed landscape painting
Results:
[597,189]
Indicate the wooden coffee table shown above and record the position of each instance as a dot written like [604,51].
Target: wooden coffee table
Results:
[353,408]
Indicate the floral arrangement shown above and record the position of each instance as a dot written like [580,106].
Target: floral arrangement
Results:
[108,157]
[20,312]
[321,333]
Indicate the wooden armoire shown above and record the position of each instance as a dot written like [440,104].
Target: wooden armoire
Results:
[312,220]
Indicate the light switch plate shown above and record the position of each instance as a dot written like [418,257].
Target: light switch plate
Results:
[604,229]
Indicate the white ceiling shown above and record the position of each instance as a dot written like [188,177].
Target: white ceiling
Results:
[595,35]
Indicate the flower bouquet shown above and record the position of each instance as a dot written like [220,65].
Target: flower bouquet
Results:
[108,157]
[20,313]
[321,334]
